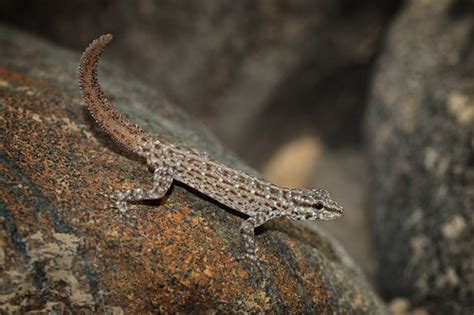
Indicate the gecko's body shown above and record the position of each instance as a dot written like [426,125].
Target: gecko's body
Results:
[258,199]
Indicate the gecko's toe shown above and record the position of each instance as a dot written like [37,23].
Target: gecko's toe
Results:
[253,259]
[124,207]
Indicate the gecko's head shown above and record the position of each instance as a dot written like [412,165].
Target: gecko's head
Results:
[315,204]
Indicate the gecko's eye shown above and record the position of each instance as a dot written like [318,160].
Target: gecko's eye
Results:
[318,205]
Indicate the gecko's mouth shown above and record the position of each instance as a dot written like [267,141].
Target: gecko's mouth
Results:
[331,214]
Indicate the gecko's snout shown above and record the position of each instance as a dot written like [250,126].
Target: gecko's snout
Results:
[339,209]
[332,211]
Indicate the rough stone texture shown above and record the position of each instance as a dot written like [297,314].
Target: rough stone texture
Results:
[260,73]
[62,248]
[420,131]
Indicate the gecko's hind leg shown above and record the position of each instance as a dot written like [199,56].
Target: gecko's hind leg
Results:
[247,231]
[162,180]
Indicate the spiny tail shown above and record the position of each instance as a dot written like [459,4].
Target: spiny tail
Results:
[120,128]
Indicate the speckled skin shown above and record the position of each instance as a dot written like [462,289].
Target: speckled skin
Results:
[258,199]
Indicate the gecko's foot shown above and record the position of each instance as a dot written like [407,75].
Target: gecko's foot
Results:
[259,262]
[121,205]
[124,207]
[111,201]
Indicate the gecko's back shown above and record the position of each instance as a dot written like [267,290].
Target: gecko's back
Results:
[231,187]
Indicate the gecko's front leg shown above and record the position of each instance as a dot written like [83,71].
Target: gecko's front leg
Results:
[162,180]
[247,230]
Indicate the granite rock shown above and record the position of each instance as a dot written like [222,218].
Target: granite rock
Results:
[64,249]
[420,130]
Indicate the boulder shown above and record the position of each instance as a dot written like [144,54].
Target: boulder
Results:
[420,128]
[64,248]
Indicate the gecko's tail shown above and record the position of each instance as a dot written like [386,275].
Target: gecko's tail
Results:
[120,128]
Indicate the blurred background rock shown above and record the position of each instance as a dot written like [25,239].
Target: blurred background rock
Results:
[420,127]
[285,84]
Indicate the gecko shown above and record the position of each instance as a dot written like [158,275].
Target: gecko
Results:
[256,198]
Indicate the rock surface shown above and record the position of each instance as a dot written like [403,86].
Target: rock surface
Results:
[62,248]
[421,136]
[260,73]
